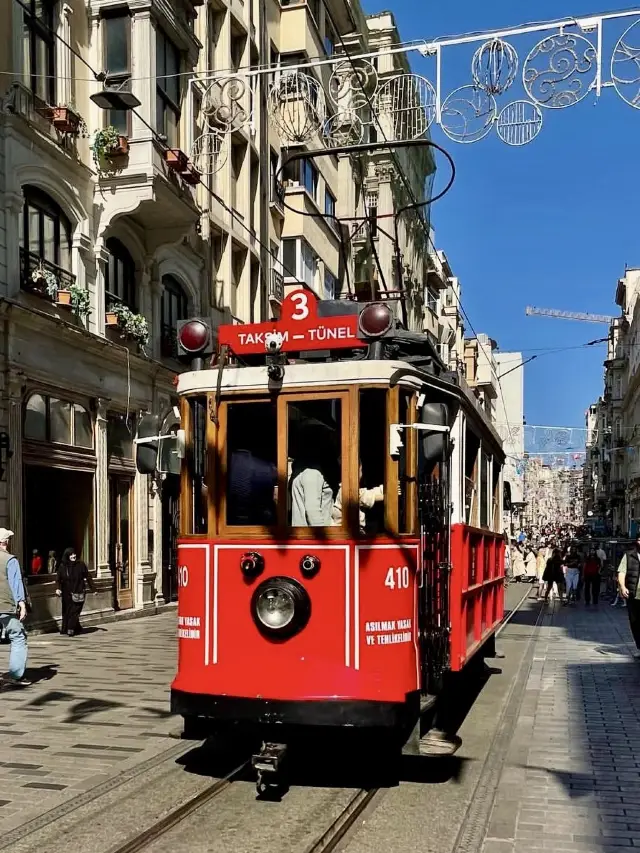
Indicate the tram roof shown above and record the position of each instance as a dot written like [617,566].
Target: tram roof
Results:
[310,375]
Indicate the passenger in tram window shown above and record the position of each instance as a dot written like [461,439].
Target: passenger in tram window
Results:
[367,499]
[252,489]
[311,477]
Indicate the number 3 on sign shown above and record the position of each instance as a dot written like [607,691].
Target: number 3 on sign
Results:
[301,301]
[397,578]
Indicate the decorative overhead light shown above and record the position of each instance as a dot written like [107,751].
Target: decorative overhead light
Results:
[115,99]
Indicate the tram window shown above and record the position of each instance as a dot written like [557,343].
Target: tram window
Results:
[252,463]
[197,464]
[313,454]
[484,488]
[472,446]
[496,496]
[373,420]
[407,460]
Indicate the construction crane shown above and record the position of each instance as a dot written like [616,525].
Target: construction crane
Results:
[568,315]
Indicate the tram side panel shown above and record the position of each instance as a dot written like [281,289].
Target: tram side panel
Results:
[476,590]
[360,641]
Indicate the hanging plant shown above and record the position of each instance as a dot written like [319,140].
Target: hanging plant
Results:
[80,300]
[131,325]
[108,143]
[45,280]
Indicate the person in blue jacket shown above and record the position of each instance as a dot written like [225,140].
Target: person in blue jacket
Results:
[13,611]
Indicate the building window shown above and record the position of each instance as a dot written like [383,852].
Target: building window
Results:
[329,42]
[298,261]
[329,204]
[120,283]
[314,8]
[117,61]
[432,300]
[167,89]
[58,422]
[309,177]
[39,49]
[46,238]
[174,308]
[330,285]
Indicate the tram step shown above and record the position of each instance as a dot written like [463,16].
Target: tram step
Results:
[436,744]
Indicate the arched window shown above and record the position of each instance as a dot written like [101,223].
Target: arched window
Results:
[57,421]
[175,307]
[120,284]
[45,240]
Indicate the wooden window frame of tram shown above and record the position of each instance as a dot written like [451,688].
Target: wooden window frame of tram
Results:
[350,411]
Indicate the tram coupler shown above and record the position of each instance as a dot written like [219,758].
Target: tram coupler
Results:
[268,764]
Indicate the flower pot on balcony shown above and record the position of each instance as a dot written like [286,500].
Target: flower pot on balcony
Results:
[119,150]
[63,297]
[111,319]
[176,159]
[65,120]
[191,176]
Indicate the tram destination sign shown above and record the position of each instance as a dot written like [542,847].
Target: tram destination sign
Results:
[299,329]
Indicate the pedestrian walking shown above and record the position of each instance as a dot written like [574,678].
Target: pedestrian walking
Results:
[553,576]
[13,612]
[543,556]
[571,575]
[73,580]
[628,573]
[592,578]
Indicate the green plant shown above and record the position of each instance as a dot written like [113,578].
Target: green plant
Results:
[80,300]
[104,141]
[131,325]
[46,279]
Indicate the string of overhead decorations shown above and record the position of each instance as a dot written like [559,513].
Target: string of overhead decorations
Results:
[505,93]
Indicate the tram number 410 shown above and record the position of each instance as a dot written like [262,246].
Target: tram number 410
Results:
[183,576]
[397,578]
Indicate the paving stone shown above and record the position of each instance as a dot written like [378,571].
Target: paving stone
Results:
[581,788]
[85,691]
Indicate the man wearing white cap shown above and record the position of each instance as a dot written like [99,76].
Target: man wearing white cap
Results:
[13,610]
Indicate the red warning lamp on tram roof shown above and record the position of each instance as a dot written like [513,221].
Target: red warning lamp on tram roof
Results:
[375,320]
[194,338]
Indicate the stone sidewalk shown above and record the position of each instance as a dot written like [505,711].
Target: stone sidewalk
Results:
[99,707]
[571,782]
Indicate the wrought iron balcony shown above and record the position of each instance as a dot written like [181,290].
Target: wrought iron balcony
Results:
[30,263]
[276,195]
[276,286]
[169,342]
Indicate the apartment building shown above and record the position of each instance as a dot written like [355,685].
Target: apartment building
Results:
[100,255]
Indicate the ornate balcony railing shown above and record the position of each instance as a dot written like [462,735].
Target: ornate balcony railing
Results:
[30,262]
[276,286]
[168,342]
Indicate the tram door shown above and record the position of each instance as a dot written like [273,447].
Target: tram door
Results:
[170,532]
[121,539]
[434,507]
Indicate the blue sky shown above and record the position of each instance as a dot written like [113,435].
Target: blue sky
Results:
[550,224]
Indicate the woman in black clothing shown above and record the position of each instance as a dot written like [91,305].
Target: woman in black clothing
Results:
[73,579]
[553,574]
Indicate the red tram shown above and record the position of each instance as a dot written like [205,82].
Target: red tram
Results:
[340,553]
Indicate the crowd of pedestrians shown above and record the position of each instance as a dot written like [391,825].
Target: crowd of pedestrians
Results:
[573,570]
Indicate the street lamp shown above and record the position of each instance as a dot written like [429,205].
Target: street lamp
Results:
[115,99]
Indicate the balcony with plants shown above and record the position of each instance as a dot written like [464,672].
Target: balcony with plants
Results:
[47,280]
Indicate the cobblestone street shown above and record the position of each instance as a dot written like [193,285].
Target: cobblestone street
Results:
[100,706]
[572,778]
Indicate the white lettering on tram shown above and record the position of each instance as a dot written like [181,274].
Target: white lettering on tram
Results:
[189,627]
[387,633]
[257,337]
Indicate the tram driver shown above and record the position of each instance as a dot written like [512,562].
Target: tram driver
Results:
[312,473]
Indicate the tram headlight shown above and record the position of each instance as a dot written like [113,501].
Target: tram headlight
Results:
[280,607]
[375,320]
